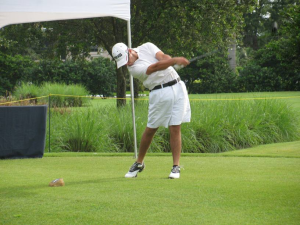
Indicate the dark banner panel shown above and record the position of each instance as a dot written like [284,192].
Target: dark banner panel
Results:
[22,131]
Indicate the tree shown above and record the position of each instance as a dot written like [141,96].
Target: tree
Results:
[276,66]
[100,71]
[263,22]
[209,75]
[178,27]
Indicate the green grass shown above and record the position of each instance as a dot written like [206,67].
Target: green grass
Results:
[234,124]
[26,90]
[292,97]
[211,190]
[61,94]
[287,149]
[259,185]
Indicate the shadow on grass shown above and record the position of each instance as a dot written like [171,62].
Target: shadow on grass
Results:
[29,190]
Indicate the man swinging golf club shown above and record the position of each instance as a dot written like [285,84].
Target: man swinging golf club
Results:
[168,99]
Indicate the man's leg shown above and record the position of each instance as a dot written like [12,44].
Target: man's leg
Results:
[139,166]
[145,143]
[175,142]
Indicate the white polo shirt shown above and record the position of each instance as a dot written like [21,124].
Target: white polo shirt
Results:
[146,57]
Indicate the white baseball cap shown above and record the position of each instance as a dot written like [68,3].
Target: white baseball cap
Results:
[120,54]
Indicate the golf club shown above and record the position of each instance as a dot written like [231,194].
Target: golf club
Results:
[178,67]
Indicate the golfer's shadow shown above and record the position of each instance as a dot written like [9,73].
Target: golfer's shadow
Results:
[94,181]
[31,190]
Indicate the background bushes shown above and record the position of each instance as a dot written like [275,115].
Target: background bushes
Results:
[210,75]
[269,69]
[97,76]
[272,69]
[12,70]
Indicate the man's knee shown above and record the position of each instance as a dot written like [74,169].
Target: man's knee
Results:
[150,131]
[175,128]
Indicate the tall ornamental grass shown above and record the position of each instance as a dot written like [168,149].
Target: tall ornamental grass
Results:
[216,126]
[81,131]
[62,95]
[93,129]
[219,126]
[26,90]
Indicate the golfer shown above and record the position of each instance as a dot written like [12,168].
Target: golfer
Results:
[168,99]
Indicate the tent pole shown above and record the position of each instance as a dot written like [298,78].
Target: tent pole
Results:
[132,93]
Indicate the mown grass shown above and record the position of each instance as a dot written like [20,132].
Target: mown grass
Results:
[287,149]
[277,150]
[293,97]
[211,190]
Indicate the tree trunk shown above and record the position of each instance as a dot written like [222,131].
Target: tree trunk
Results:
[232,54]
[255,42]
[121,86]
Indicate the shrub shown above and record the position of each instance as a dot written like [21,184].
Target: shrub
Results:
[98,76]
[209,75]
[11,71]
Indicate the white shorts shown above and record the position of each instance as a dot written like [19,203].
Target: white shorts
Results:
[169,106]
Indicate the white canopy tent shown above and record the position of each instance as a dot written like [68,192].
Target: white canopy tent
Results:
[20,11]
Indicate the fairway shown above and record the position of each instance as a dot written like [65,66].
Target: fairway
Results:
[211,190]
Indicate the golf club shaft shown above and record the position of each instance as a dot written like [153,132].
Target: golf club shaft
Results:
[178,67]
[202,56]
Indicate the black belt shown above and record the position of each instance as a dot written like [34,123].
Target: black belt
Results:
[170,83]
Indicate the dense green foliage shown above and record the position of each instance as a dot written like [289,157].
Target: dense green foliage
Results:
[11,71]
[211,75]
[98,75]
[266,34]
[265,22]
[177,27]
[276,66]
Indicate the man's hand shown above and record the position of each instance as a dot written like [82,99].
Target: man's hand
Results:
[181,61]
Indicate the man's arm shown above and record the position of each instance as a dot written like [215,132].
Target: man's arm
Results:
[161,56]
[164,61]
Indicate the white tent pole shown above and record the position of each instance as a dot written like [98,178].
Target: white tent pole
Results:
[132,93]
